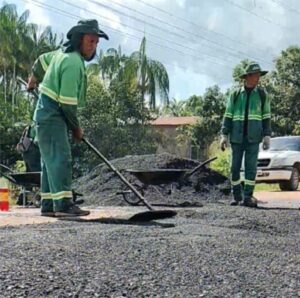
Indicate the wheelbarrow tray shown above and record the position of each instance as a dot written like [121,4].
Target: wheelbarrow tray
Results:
[158,176]
[27,178]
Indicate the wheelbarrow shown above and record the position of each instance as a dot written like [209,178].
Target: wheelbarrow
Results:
[158,177]
[30,183]
[152,213]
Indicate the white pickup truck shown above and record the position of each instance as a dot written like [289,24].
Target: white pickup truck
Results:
[281,163]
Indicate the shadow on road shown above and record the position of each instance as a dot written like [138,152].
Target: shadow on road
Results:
[118,221]
[276,208]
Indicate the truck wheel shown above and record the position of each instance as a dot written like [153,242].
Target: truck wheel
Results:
[293,183]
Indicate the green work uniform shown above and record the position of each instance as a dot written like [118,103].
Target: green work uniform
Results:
[62,90]
[246,121]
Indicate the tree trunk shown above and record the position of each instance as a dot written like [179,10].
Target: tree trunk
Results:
[13,87]
[4,85]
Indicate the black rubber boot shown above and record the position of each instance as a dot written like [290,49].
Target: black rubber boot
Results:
[48,213]
[74,197]
[73,210]
[47,208]
[235,203]
[250,202]
[237,200]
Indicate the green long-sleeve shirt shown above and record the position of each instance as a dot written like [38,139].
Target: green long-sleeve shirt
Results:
[63,80]
[259,116]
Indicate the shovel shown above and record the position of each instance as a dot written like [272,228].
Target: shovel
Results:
[142,216]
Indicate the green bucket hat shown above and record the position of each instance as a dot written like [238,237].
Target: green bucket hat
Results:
[87,27]
[253,68]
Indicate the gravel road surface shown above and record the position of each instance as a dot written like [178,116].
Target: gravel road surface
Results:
[213,251]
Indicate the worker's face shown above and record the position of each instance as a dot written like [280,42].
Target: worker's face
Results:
[88,46]
[252,79]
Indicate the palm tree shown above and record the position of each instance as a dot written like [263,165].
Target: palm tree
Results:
[176,108]
[12,29]
[151,75]
[21,44]
[110,66]
[39,40]
[148,76]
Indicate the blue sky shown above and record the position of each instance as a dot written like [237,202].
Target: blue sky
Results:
[198,41]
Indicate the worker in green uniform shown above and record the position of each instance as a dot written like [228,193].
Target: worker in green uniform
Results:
[62,91]
[246,123]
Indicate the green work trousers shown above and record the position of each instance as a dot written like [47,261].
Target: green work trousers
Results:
[56,166]
[250,153]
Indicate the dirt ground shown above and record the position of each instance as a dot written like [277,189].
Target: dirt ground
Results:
[22,216]
[17,216]
[279,199]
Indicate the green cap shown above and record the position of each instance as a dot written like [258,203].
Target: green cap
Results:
[253,68]
[87,27]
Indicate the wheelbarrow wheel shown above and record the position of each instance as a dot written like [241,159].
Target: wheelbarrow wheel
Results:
[131,198]
[38,201]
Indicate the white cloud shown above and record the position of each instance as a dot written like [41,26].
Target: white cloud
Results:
[109,17]
[181,3]
[184,82]
[215,18]
[38,15]
[240,34]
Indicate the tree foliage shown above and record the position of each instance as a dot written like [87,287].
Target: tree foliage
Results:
[114,121]
[285,89]
[124,90]
[176,108]
[210,109]
[141,72]
[21,43]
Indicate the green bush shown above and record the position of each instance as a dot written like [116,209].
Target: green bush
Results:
[222,163]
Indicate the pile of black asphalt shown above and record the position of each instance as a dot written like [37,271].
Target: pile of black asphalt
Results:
[102,187]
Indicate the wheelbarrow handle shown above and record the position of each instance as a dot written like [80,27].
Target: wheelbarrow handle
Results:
[124,180]
[6,168]
[187,175]
[8,177]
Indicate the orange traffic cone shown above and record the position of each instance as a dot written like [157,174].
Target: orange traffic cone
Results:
[4,196]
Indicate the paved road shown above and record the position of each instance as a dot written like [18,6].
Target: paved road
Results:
[279,199]
[214,251]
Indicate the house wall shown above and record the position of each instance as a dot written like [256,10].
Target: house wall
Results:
[170,143]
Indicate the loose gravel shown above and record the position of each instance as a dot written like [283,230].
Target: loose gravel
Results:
[213,251]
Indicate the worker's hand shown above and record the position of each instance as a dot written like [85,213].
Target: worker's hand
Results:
[224,142]
[77,133]
[266,142]
[32,83]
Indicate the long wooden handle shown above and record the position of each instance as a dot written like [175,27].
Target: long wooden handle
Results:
[200,166]
[136,192]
